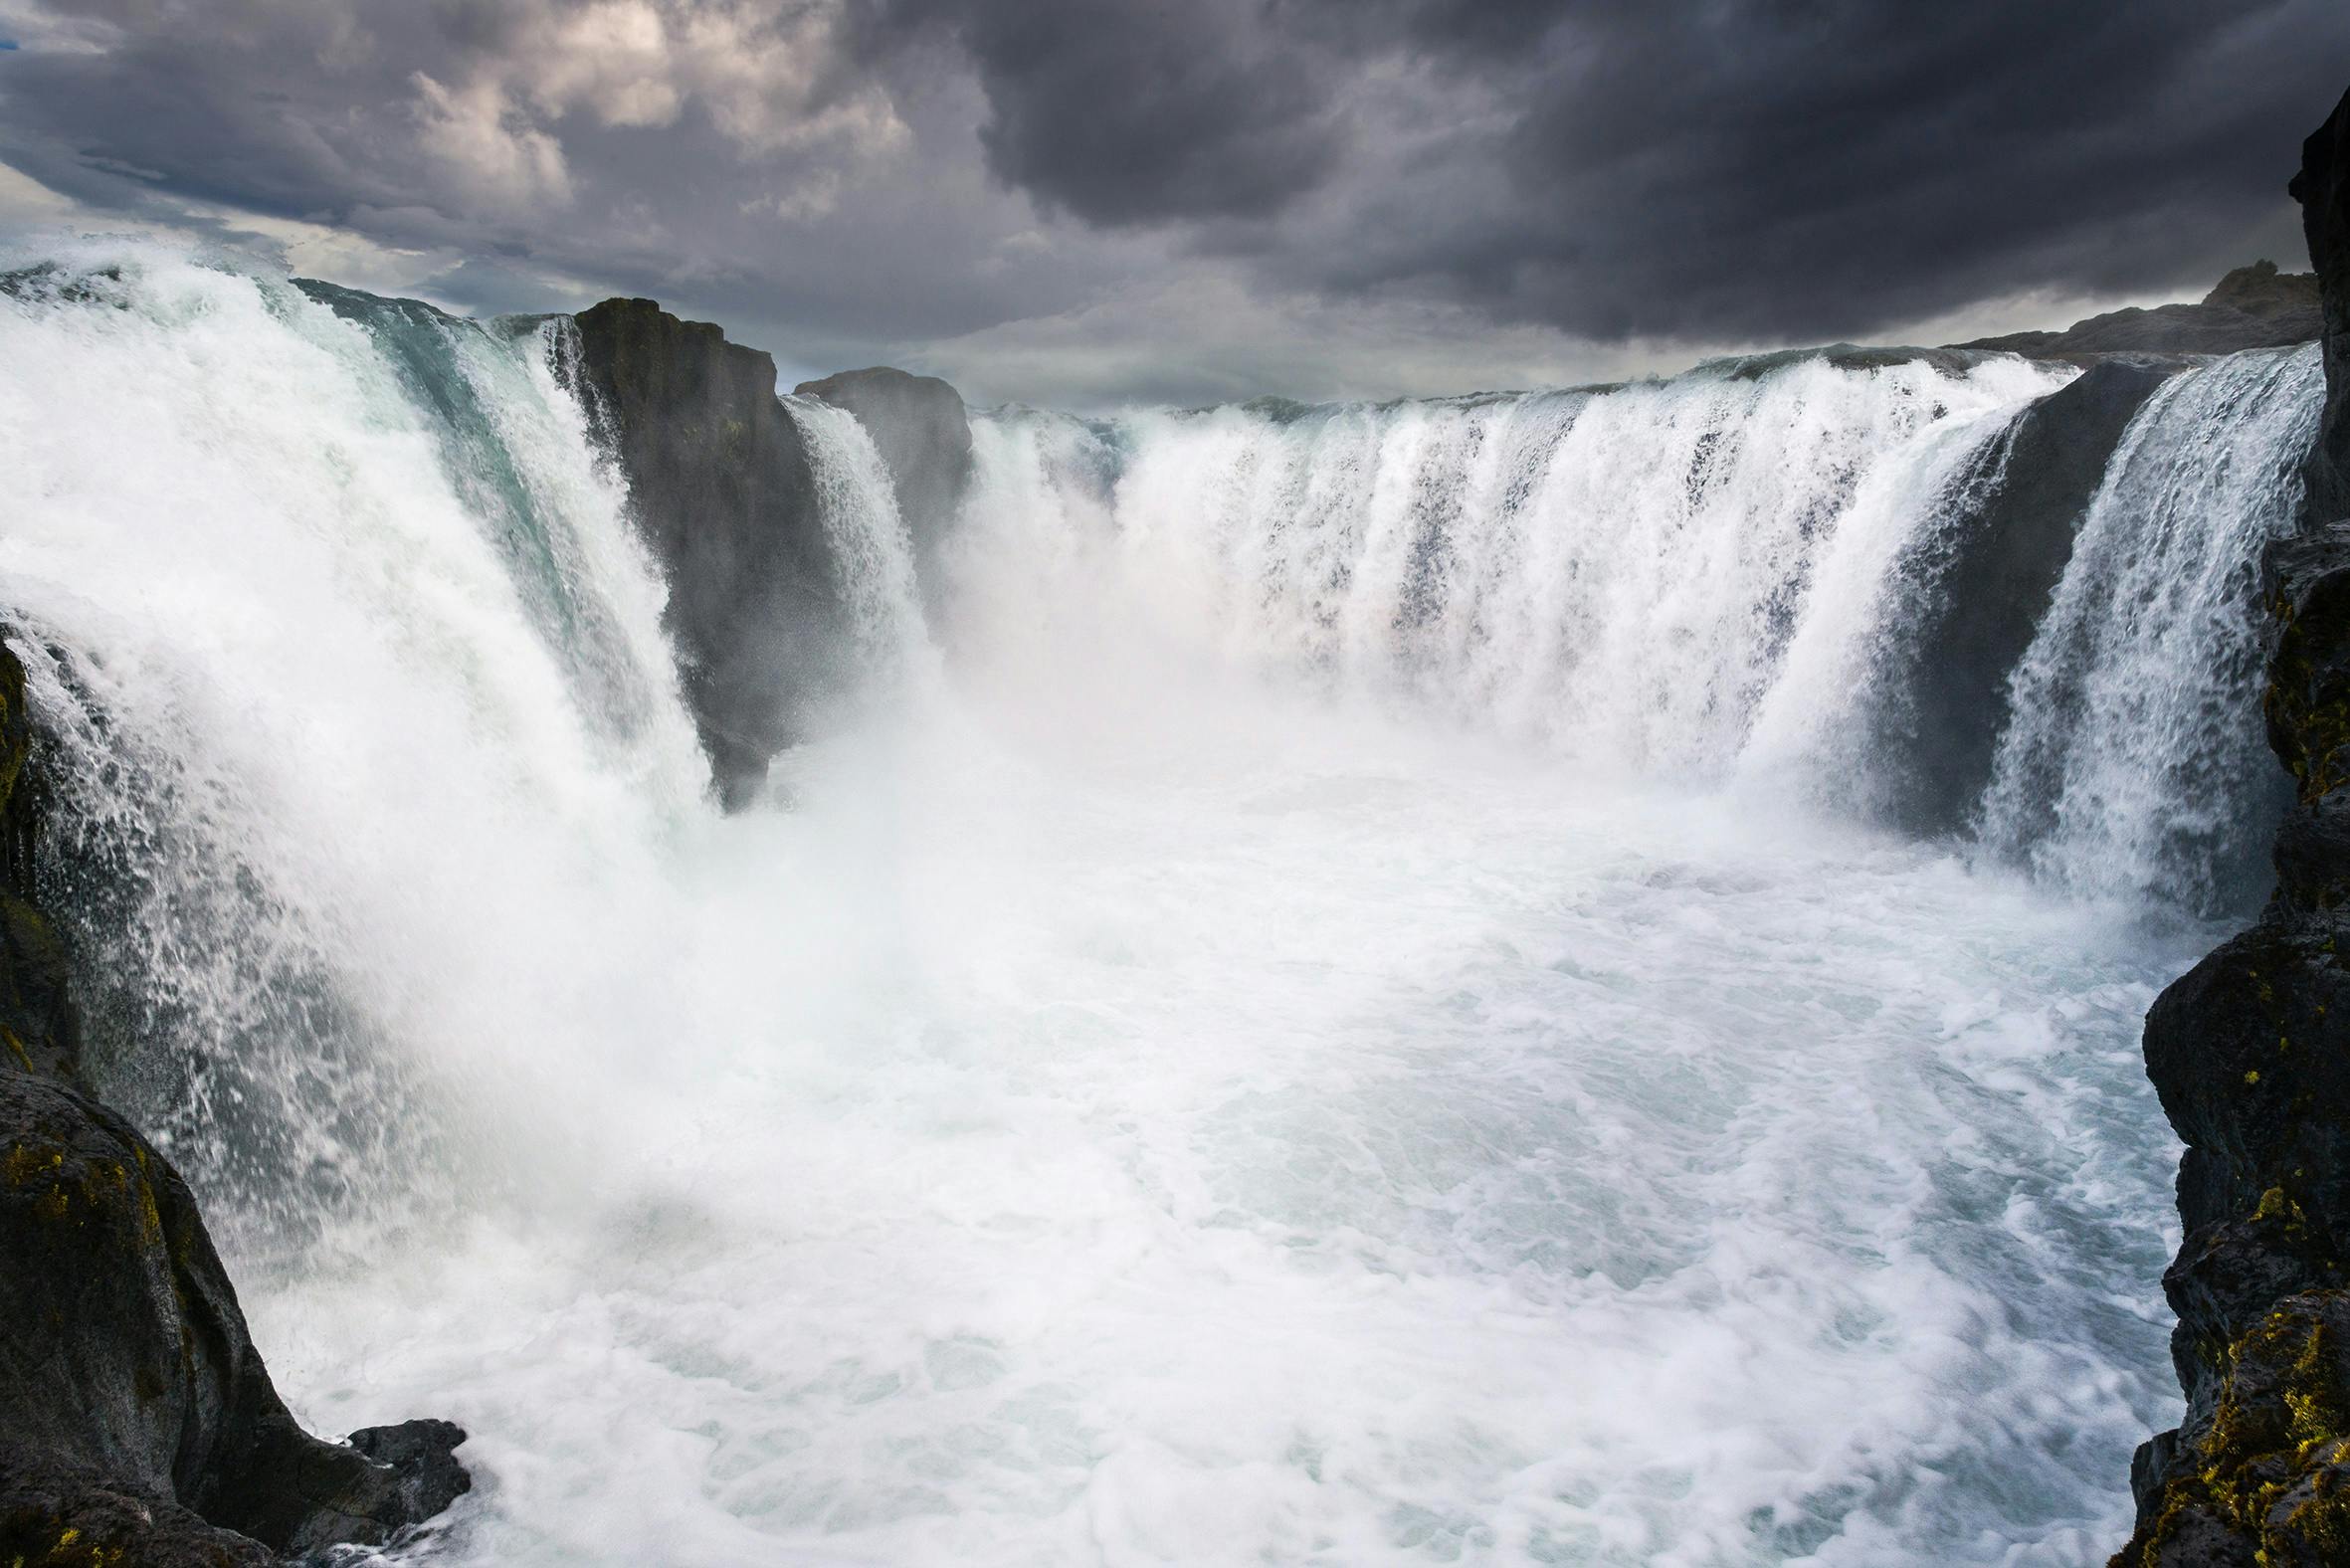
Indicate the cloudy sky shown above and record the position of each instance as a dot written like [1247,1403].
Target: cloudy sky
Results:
[1088,202]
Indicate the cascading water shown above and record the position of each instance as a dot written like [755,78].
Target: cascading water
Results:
[1618,575]
[344,650]
[869,538]
[1715,576]
[2135,766]
[1321,1032]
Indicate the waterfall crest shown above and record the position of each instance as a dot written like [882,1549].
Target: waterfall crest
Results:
[1743,575]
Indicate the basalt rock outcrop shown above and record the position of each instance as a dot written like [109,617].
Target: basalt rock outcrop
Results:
[2254,306]
[719,477]
[726,496]
[923,434]
[138,1424]
[2250,1053]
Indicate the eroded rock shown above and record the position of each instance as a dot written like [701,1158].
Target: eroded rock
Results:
[2250,1053]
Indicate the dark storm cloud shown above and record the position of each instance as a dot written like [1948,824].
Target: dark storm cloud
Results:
[858,179]
[1148,111]
[1772,168]
[1833,166]
[735,158]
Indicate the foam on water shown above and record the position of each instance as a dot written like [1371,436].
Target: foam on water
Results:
[1286,1145]
[1310,1035]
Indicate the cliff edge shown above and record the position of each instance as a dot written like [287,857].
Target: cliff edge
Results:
[923,434]
[2249,1051]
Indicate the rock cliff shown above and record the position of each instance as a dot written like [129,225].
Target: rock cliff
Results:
[719,477]
[721,480]
[1982,586]
[2250,1053]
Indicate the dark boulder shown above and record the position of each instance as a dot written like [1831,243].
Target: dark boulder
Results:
[127,1353]
[923,433]
[1978,587]
[2254,306]
[719,479]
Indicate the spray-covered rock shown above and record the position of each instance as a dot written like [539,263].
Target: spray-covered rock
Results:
[923,432]
[720,481]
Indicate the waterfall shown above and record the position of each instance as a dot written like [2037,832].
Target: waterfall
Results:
[1720,577]
[1447,928]
[2135,766]
[1616,575]
[358,619]
[329,605]
[874,554]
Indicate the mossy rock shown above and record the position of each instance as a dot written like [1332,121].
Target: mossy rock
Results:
[2265,1477]
[128,1358]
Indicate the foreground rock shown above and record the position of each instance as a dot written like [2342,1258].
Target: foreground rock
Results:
[138,1423]
[923,433]
[2254,306]
[2250,1053]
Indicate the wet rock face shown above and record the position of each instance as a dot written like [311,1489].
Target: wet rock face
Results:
[2264,1480]
[39,1029]
[723,490]
[2250,1053]
[923,433]
[138,1423]
[128,1355]
[57,1514]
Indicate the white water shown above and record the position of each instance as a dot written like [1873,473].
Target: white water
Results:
[867,534]
[1308,1041]
[1614,576]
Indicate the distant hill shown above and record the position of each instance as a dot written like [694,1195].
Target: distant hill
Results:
[2254,306]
